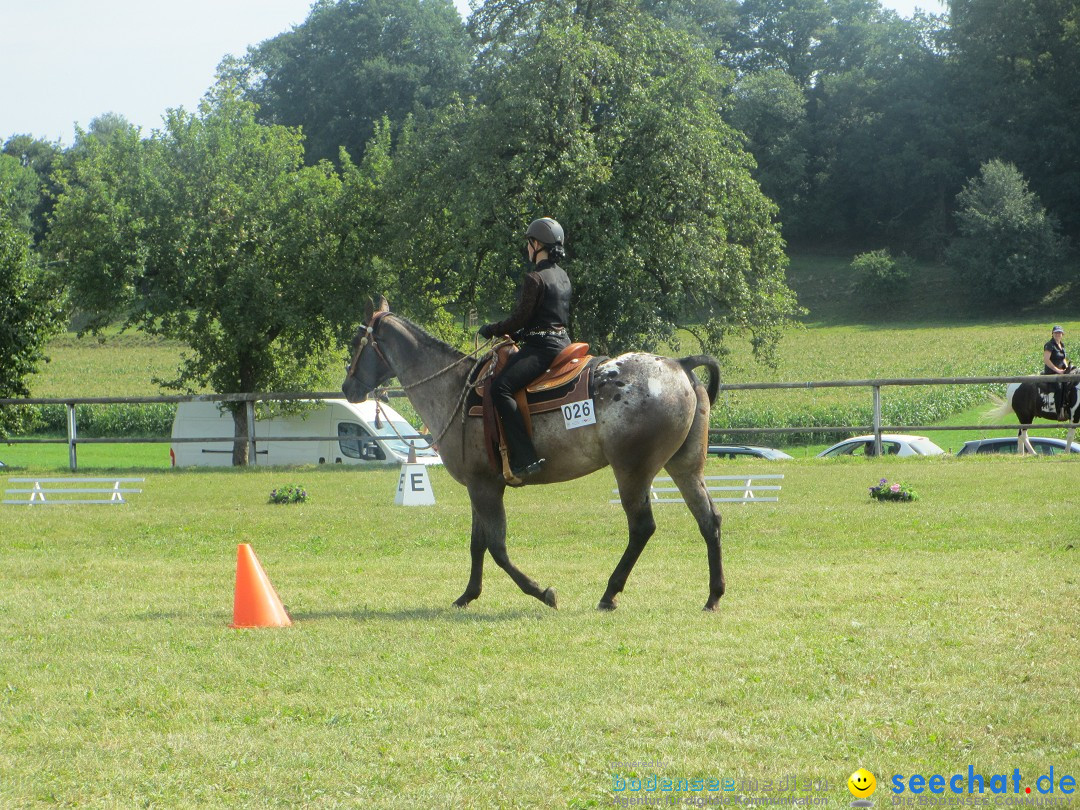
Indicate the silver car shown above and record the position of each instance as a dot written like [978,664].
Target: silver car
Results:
[892,444]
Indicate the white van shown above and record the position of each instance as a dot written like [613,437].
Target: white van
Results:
[347,421]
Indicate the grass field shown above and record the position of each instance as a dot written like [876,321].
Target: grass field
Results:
[906,638]
[920,638]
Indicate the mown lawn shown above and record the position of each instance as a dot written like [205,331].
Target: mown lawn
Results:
[906,638]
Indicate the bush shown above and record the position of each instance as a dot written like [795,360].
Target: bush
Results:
[290,493]
[878,272]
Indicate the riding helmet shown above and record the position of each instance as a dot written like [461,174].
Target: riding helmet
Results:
[546,231]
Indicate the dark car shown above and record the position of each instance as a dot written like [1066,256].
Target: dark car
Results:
[746,451]
[1043,445]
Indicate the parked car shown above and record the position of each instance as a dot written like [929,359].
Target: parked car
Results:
[892,444]
[1043,445]
[746,451]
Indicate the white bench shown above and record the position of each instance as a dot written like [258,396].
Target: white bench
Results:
[45,489]
[747,488]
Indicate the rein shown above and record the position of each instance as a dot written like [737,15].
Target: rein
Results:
[369,340]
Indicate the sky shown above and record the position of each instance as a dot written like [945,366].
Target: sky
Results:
[64,62]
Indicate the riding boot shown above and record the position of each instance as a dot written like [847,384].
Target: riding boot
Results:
[523,458]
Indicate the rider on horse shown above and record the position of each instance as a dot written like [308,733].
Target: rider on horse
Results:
[538,324]
[1055,362]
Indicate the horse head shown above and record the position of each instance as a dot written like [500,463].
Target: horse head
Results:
[368,368]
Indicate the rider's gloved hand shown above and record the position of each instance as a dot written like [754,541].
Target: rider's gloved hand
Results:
[486,331]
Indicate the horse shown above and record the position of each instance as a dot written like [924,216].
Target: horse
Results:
[651,412]
[1028,401]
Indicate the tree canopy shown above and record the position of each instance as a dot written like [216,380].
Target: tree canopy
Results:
[600,116]
[353,62]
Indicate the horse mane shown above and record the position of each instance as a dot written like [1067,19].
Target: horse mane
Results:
[429,340]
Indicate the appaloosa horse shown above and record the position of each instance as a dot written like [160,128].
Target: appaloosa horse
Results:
[1030,399]
[651,413]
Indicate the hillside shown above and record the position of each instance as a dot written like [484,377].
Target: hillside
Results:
[933,297]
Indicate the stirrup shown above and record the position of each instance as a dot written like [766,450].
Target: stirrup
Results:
[529,469]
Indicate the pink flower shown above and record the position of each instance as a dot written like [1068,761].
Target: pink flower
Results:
[894,488]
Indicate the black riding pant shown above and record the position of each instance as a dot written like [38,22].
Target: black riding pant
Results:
[531,360]
[1059,392]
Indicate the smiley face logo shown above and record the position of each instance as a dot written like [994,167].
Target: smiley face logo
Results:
[862,784]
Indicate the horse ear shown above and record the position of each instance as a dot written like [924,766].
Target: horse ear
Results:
[382,305]
[369,309]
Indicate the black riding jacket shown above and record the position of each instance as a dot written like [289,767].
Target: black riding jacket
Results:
[543,306]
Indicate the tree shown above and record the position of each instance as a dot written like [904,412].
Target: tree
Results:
[1007,244]
[20,192]
[770,109]
[30,314]
[888,146]
[214,233]
[351,63]
[42,158]
[597,115]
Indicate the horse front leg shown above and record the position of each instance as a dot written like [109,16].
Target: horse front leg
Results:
[489,532]
[639,518]
[1069,437]
[477,547]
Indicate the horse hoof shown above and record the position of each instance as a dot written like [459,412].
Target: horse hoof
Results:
[551,599]
[463,601]
[608,606]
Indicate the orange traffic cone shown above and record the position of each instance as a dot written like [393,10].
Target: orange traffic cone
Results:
[256,603]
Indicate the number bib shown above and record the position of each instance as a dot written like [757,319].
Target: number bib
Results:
[579,414]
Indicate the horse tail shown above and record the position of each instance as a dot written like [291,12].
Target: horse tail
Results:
[998,411]
[690,363]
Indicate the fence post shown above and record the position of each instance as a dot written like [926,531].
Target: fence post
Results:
[249,406]
[72,431]
[877,420]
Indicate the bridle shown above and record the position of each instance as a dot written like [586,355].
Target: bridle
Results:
[369,340]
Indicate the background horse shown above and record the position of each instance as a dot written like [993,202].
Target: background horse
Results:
[651,413]
[1026,401]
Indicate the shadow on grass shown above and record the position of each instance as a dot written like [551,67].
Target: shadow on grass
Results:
[449,613]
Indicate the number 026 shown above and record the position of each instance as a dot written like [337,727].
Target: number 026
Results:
[578,414]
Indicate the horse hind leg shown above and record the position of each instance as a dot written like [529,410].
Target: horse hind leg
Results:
[687,470]
[692,487]
[1023,443]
